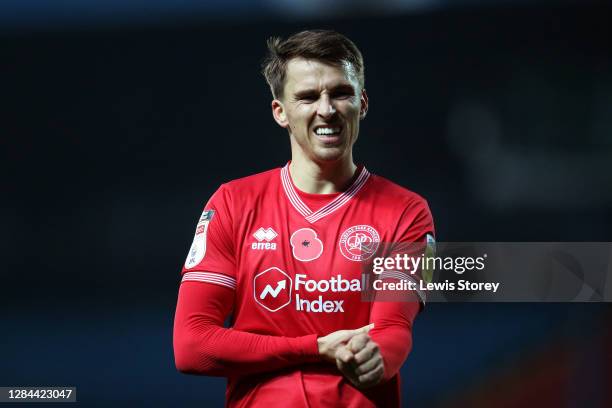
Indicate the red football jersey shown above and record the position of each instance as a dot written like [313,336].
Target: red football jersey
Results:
[294,261]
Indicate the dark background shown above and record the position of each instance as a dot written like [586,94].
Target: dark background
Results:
[115,131]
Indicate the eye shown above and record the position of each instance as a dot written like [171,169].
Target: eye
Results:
[308,98]
[342,95]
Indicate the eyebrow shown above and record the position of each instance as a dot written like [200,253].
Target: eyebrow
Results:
[314,91]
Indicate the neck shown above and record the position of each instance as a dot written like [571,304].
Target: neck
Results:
[322,178]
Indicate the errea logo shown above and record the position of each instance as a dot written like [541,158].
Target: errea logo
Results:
[263,237]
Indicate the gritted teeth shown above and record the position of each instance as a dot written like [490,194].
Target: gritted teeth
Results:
[327,130]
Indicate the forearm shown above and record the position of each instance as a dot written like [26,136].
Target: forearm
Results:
[203,346]
[392,333]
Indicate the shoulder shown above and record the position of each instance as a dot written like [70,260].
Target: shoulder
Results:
[252,185]
[391,192]
[408,210]
[232,197]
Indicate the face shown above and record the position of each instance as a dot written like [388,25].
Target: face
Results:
[321,108]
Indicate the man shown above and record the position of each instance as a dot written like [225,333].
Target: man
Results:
[283,251]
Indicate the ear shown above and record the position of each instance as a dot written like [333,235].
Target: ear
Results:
[364,105]
[278,112]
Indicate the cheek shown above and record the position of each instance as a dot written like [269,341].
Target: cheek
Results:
[302,118]
[297,120]
[351,108]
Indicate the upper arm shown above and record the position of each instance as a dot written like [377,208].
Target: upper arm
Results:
[212,255]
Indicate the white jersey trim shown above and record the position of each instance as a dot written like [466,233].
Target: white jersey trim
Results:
[292,195]
[402,276]
[210,277]
[330,207]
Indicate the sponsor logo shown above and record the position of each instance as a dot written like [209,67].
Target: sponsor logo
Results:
[320,305]
[305,245]
[263,237]
[272,289]
[359,242]
[198,246]
[273,292]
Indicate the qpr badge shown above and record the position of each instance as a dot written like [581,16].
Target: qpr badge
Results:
[359,242]
[198,247]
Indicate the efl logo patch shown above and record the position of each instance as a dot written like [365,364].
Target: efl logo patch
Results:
[272,289]
[359,242]
[430,252]
[431,243]
[198,246]
[305,245]
[263,237]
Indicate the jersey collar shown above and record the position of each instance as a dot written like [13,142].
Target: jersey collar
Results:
[335,204]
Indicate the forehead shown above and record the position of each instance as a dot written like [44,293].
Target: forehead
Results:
[307,73]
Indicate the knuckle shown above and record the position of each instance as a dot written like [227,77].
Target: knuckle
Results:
[362,357]
[363,378]
[380,371]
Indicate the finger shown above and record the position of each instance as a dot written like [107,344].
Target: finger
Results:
[372,377]
[341,365]
[344,355]
[358,342]
[348,371]
[368,366]
[366,353]
[343,336]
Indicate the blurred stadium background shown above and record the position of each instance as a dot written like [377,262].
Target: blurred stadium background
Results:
[120,118]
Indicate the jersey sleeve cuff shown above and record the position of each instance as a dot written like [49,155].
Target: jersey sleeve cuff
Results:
[310,348]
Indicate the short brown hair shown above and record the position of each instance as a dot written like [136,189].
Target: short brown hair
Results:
[323,45]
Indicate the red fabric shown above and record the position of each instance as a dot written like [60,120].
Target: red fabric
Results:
[393,332]
[203,346]
[273,250]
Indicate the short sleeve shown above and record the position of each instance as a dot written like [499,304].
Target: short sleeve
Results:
[414,238]
[211,257]
[415,224]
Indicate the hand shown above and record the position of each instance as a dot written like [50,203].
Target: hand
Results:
[328,345]
[361,362]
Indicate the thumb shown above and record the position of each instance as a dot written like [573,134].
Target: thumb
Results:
[365,329]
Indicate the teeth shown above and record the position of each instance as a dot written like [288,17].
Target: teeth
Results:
[327,131]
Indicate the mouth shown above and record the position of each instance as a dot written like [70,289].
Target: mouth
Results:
[328,134]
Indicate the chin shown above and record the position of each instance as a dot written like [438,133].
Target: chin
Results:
[329,155]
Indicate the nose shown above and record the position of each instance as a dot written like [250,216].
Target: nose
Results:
[326,109]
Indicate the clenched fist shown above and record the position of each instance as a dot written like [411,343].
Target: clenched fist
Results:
[360,361]
[330,344]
